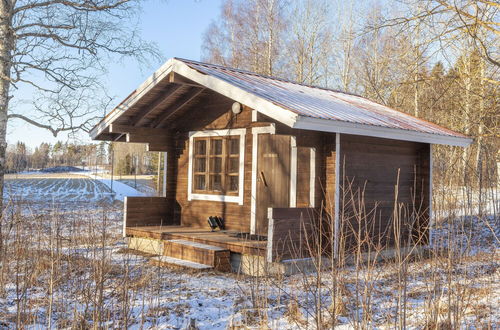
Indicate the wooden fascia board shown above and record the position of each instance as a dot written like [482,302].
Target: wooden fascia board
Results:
[146,138]
[156,147]
[235,93]
[145,87]
[334,126]
[265,107]
[176,78]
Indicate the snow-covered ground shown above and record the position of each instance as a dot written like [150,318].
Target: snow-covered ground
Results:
[71,269]
[65,188]
[120,189]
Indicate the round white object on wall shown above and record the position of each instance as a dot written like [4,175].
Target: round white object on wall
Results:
[236,108]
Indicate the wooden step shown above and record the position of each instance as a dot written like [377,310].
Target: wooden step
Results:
[178,263]
[213,256]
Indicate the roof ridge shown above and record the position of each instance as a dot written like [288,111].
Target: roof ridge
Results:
[267,76]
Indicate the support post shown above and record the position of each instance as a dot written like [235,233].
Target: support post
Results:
[337,197]
[164,174]
[158,175]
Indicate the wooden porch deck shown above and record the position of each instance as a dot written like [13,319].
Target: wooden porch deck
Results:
[222,238]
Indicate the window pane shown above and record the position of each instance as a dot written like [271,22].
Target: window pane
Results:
[200,164]
[234,146]
[216,164]
[234,164]
[216,147]
[200,147]
[216,182]
[199,182]
[233,183]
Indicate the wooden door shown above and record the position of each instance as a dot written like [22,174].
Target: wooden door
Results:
[273,177]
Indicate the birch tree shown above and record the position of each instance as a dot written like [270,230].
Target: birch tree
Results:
[248,35]
[59,48]
[452,21]
[310,43]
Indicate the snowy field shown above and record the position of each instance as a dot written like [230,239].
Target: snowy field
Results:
[52,189]
[67,190]
[69,268]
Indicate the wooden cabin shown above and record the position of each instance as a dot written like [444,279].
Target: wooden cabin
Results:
[281,164]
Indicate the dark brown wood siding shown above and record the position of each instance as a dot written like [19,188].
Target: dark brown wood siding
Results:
[377,175]
[273,177]
[195,212]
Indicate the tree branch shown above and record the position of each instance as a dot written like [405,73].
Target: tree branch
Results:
[83,126]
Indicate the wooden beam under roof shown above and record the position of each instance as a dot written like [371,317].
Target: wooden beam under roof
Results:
[120,138]
[175,108]
[157,103]
[117,128]
[134,138]
[157,147]
[178,79]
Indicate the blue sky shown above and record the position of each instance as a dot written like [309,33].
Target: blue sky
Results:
[176,26]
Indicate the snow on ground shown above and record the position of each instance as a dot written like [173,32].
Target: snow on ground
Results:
[71,269]
[55,189]
[121,188]
[145,186]
[66,188]
[163,298]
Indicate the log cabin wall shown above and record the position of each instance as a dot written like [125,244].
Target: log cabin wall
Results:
[371,160]
[195,212]
[370,170]
[324,149]
[237,217]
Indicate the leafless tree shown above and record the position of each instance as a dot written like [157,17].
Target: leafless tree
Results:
[248,35]
[59,48]
[454,20]
[310,41]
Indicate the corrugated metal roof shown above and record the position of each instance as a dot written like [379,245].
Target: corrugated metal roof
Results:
[320,103]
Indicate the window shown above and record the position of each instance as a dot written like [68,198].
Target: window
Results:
[216,165]
[216,171]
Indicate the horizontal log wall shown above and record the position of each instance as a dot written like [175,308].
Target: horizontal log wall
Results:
[146,211]
[372,170]
[195,212]
[290,233]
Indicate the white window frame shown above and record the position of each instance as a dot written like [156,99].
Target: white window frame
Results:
[241,132]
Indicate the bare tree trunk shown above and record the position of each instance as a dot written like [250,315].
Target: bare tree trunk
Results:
[270,44]
[6,47]
[480,132]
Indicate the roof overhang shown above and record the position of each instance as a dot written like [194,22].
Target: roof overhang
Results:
[326,125]
[176,67]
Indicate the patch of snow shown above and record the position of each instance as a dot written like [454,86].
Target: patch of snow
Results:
[120,190]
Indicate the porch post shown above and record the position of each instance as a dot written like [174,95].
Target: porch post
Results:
[336,233]
[164,174]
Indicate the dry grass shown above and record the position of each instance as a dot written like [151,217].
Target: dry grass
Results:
[68,267]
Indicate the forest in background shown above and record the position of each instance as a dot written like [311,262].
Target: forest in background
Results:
[434,59]
[20,158]
[121,158]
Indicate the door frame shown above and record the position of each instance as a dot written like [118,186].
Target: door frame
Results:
[271,129]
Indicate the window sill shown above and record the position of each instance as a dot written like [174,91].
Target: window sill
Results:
[216,198]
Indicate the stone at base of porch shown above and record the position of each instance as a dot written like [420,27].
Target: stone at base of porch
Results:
[389,254]
[246,264]
[259,266]
[147,245]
